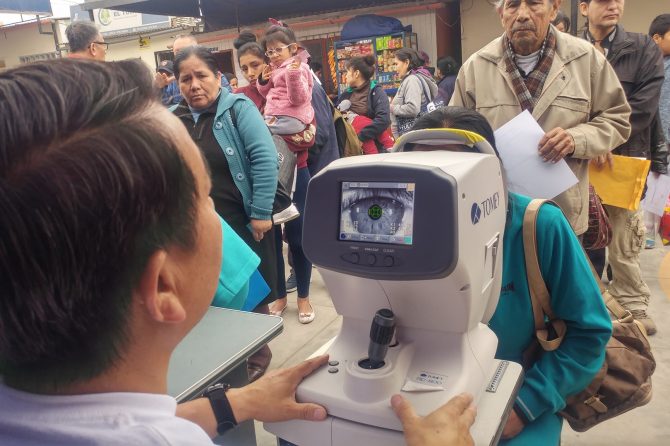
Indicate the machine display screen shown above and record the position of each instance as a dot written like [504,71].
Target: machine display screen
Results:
[377,212]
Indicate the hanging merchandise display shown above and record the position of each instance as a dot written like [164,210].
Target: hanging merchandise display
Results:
[383,48]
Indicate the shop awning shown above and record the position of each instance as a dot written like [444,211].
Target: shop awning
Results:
[35,7]
[219,14]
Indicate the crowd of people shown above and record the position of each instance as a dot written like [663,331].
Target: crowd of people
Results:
[128,191]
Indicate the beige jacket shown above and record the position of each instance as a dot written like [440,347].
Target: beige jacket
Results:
[582,95]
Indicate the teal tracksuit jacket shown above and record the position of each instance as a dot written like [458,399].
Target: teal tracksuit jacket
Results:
[575,298]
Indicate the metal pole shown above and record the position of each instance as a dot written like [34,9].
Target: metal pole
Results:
[574,16]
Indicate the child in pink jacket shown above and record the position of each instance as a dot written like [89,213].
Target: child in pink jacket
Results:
[286,83]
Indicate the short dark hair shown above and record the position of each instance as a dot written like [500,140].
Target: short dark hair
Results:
[80,35]
[229,76]
[91,185]
[281,34]
[405,54]
[365,64]
[198,51]
[246,43]
[561,17]
[448,66]
[660,25]
[457,118]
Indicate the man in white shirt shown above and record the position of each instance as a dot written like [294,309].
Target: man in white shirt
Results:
[110,252]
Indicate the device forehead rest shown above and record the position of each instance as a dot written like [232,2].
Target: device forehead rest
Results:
[444,136]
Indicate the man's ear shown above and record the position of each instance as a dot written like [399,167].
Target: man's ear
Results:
[556,6]
[657,38]
[584,9]
[157,289]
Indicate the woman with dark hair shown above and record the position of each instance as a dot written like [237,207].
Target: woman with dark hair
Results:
[241,155]
[369,100]
[562,22]
[416,90]
[252,60]
[575,298]
[447,70]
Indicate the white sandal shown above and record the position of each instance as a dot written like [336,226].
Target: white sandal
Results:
[306,318]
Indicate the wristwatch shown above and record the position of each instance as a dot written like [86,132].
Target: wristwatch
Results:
[225,419]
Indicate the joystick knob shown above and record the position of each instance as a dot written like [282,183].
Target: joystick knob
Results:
[381,334]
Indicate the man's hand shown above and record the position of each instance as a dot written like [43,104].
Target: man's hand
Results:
[272,397]
[448,425]
[603,160]
[160,80]
[295,64]
[556,145]
[260,227]
[513,427]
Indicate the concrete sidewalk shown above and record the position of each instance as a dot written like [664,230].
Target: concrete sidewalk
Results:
[646,426]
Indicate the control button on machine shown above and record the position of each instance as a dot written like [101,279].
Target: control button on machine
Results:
[333,363]
[353,257]
[333,370]
[372,259]
[389,261]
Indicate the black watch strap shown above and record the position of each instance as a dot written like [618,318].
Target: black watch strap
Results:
[225,419]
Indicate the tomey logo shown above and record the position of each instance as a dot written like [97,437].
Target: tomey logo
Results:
[475,213]
[484,209]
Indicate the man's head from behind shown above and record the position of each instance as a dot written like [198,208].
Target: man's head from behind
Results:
[85,41]
[604,14]
[183,41]
[660,32]
[104,210]
[526,22]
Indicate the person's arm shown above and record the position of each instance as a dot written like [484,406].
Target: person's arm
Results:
[299,82]
[609,126]
[269,399]
[262,154]
[576,299]
[659,148]
[460,97]
[409,102]
[448,425]
[381,119]
[643,100]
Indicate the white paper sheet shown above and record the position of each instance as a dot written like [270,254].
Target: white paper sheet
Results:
[658,190]
[526,171]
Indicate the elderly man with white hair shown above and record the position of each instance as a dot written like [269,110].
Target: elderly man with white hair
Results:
[575,95]
[565,83]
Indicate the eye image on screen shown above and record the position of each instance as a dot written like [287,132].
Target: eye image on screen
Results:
[377,212]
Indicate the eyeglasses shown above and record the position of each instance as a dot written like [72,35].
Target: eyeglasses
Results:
[271,52]
[104,44]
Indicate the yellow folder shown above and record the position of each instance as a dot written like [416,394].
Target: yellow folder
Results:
[622,184]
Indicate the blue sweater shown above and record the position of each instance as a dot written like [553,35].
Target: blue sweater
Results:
[575,298]
[250,151]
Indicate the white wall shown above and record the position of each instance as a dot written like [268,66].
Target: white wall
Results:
[24,40]
[480,22]
[131,49]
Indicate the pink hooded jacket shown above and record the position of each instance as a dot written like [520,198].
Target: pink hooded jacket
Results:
[289,92]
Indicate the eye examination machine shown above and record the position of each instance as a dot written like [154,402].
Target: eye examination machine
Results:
[409,246]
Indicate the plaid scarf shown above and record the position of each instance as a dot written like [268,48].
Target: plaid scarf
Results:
[529,89]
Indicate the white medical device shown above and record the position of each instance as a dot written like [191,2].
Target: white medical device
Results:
[413,242]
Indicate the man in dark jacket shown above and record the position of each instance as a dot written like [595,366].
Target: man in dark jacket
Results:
[325,149]
[637,62]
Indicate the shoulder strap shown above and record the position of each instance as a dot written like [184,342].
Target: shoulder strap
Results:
[424,84]
[539,295]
